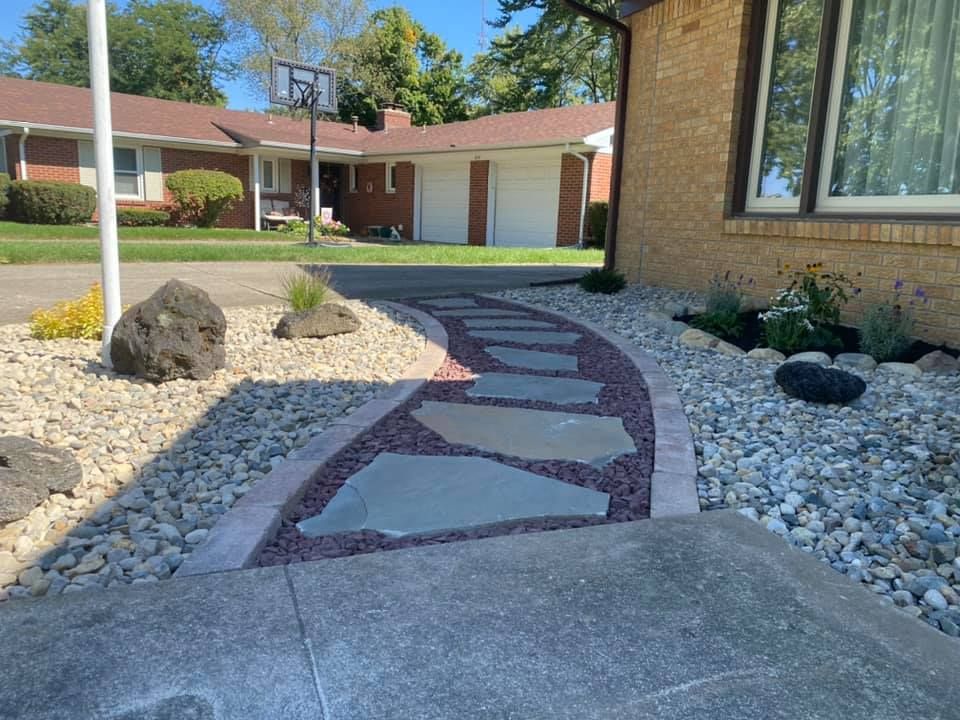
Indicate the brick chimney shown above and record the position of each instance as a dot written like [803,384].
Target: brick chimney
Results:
[392,116]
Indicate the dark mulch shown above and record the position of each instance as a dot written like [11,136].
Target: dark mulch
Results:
[626,479]
[752,337]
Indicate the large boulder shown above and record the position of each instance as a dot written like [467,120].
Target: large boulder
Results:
[29,472]
[321,321]
[178,332]
[814,383]
[938,363]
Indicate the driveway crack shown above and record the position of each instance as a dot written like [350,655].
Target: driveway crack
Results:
[308,646]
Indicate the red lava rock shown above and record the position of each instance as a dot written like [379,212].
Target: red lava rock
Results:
[626,479]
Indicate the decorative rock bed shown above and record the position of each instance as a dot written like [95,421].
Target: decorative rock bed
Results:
[184,450]
[871,488]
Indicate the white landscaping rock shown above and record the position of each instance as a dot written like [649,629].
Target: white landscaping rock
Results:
[766,354]
[819,358]
[701,340]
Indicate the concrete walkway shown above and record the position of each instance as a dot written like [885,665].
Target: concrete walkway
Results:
[705,617]
[27,287]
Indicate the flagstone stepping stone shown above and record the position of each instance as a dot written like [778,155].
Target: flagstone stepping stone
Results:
[480,312]
[533,359]
[561,391]
[531,434]
[452,302]
[527,337]
[480,323]
[400,495]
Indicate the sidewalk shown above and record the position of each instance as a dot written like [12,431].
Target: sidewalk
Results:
[705,617]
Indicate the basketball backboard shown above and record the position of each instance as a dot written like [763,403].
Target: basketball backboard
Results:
[292,82]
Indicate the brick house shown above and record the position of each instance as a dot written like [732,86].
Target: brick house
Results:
[762,133]
[518,179]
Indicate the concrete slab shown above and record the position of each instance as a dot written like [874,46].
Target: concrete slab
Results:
[561,391]
[527,337]
[480,312]
[706,618]
[480,323]
[533,359]
[452,302]
[402,495]
[532,434]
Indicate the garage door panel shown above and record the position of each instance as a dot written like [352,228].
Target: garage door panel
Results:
[528,197]
[444,203]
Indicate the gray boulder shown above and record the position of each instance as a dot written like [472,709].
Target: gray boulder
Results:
[29,472]
[815,383]
[178,332]
[321,321]
[938,363]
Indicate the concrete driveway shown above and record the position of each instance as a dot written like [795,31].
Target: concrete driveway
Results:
[27,287]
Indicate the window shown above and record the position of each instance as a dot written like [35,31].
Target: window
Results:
[876,124]
[126,172]
[3,155]
[352,177]
[268,176]
[391,177]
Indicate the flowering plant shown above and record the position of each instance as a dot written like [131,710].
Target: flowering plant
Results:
[334,228]
[887,327]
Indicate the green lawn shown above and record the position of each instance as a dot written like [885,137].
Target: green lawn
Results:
[24,231]
[25,252]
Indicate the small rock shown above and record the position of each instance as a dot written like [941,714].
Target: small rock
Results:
[935,600]
[908,369]
[818,358]
[856,361]
[196,536]
[766,354]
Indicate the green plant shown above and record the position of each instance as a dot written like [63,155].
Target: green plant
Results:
[52,203]
[597,220]
[305,291]
[298,228]
[724,302]
[722,324]
[887,327]
[4,193]
[786,325]
[202,196]
[824,293]
[604,281]
[80,319]
[141,217]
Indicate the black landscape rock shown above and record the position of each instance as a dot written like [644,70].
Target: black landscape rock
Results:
[815,383]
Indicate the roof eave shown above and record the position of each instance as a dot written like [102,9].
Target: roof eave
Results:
[117,133]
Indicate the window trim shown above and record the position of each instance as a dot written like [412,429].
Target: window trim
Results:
[272,188]
[388,182]
[138,154]
[352,178]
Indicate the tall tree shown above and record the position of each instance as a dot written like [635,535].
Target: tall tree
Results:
[160,48]
[395,60]
[560,59]
[309,31]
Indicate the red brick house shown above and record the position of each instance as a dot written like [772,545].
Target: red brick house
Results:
[519,179]
[761,133]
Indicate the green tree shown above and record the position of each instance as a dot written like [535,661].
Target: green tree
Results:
[160,48]
[560,59]
[395,60]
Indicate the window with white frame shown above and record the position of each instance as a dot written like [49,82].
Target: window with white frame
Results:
[4,168]
[876,124]
[268,175]
[391,177]
[127,170]
[352,178]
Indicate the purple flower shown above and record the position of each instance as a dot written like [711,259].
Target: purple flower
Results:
[920,292]
[898,285]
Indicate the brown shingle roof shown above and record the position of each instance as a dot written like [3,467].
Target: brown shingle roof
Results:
[38,103]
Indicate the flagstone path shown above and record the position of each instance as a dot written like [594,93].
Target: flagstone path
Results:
[532,423]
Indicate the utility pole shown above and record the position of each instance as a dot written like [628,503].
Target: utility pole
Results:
[106,194]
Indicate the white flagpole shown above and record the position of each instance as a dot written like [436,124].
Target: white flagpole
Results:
[106,194]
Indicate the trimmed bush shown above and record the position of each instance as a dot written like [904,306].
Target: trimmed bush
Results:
[79,319]
[597,220]
[51,203]
[141,217]
[202,196]
[608,282]
[4,193]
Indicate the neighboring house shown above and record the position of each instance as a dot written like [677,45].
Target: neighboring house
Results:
[508,180]
[766,133]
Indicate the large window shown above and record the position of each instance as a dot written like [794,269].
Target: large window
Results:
[880,115]
[126,172]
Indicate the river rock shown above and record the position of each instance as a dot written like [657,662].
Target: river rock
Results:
[700,340]
[938,363]
[29,472]
[321,321]
[766,354]
[814,383]
[178,332]
[856,361]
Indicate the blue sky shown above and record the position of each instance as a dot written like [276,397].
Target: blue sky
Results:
[460,28]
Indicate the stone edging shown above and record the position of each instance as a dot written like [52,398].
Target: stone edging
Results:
[673,485]
[237,539]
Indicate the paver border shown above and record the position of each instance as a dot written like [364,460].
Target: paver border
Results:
[237,539]
[673,485]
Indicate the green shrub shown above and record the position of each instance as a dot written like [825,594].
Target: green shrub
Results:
[887,328]
[786,325]
[722,324]
[79,319]
[724,302]
[597,220]
[202,196]
[51,203]
[305,291]
[141,217]
[607,282]
[4,193]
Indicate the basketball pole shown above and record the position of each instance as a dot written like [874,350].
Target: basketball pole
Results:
[106,193]
[314,174]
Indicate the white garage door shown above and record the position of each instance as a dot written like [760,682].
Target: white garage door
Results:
[528,197]
[444,203]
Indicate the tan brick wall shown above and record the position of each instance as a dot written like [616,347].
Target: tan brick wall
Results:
[379,207]
[479,191]
[676,229]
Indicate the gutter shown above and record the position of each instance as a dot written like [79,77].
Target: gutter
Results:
[583,200]
[623,78]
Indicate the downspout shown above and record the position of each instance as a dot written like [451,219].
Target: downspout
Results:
[583,200]
[623,77]
[23,154]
